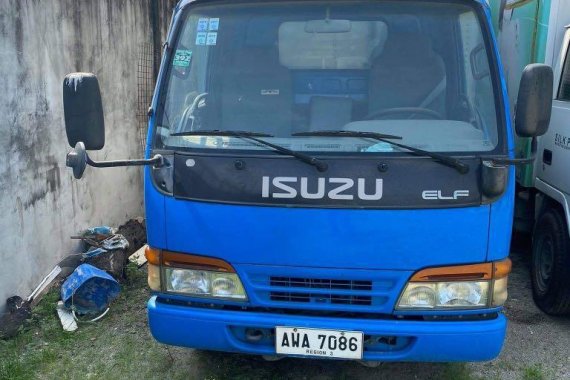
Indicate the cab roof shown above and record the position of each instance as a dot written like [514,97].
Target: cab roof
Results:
[183,3]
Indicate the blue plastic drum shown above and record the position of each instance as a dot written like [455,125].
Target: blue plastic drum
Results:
[89,290]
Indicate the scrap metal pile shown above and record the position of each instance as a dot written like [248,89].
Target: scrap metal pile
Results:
[89,281]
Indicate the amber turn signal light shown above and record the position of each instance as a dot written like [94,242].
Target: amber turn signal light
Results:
[152,255]
[472,272]
[174,259]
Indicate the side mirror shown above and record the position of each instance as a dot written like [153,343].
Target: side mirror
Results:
[85,126]
[83,110]
[534,103]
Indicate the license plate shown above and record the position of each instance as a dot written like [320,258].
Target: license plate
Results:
[319,343]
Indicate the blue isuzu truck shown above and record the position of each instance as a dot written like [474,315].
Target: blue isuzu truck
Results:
[328,179]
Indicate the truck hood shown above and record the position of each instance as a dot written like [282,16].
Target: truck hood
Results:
[328,238]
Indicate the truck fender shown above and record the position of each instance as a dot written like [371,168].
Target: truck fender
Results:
[547,194]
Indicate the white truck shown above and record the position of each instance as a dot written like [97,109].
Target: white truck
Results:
[551,192]
[538,31]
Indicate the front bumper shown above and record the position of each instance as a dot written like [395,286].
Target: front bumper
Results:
[222,330]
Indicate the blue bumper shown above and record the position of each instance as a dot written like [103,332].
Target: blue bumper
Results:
[223,330]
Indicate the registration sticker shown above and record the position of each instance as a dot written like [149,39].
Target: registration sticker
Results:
[211,38]
[182,58]
[203,25]
[214,24]
[201,38]
[319,343]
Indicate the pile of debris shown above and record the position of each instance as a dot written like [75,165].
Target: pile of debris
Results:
[89,281]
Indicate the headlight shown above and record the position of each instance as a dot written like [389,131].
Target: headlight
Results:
[204,283]
[445,295]
[193,275]
[459,287]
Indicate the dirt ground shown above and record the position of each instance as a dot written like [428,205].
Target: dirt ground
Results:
[119,346]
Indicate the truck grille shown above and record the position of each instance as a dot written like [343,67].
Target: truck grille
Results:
[323,290]
[305,291]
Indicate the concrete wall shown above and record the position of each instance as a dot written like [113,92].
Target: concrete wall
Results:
[41,204]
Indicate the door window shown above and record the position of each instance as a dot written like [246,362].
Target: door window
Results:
[564,90]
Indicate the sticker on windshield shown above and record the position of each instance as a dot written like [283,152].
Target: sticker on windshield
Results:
[380,147]
[270,92]
[182,58]
[211,38]
[214,24]
[203,24]
[201,38]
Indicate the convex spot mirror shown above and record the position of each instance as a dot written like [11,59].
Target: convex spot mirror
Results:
[83,110]
[534,103]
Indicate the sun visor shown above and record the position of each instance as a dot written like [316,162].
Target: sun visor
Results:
[348,45]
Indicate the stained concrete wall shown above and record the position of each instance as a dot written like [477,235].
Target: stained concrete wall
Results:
[41,204]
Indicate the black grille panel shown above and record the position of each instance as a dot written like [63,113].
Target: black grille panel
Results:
[303,294]
[321,298]
[314,283]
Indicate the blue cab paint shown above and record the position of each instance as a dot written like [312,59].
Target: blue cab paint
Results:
[384,246]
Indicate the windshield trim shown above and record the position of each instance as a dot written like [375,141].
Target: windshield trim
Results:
[478,8]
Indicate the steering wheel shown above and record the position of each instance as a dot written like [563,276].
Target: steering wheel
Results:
[411,110]
[189,112]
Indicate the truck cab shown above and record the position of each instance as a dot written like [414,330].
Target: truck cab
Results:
[328,179]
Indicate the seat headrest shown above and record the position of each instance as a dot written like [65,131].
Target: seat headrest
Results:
[406,42]
[261,33]
[405,24]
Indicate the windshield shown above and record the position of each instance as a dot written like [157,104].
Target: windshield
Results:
[418,70]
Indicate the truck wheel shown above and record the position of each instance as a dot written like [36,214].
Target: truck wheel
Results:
[550,268]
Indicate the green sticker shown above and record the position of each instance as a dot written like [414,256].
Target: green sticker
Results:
[182,58]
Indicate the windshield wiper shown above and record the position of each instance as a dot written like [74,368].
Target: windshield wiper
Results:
[254,136]
[372,135]
[461,167]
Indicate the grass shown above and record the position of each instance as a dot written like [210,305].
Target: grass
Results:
[120,346]
[457,371]
[44,350]
[533,372]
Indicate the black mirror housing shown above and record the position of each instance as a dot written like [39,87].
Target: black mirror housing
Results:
[83,110]
[534,102]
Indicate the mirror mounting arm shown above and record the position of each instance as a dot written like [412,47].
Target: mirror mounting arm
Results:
[512,161]
[519,161]
[78,159]
[156,161]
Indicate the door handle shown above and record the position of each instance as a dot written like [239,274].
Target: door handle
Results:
[547,157]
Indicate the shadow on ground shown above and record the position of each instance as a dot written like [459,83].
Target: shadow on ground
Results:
[226,366]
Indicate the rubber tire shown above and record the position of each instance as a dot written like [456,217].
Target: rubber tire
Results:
[555,299]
